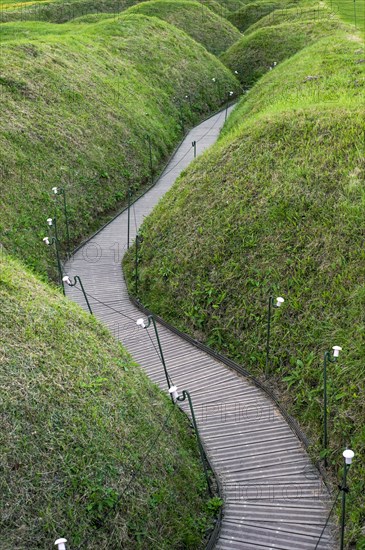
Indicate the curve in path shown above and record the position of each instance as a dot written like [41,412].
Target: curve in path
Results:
[273,496]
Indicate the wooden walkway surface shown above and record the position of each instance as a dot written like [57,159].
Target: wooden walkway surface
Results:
[274,497]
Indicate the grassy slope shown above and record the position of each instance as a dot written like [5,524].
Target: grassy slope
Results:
[77,105]
[77,418]
[251,12]
[60,11]
[316,12]
[199,22]
[252,56]
[277,206]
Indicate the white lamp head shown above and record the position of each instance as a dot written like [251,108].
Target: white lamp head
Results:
[61,544]
[66,279]
[46,240]
[336,351]
[49,221]
[55,190]
[230,93]
[348,455]
[173,391]
[213,79]
[141,323]
[279,301]
[236,72]
[275,63]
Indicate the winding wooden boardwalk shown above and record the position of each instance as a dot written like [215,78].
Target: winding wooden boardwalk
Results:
[274,497]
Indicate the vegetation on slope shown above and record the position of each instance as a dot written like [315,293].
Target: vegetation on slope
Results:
[315,12]
[199,22]
[277,207]
[78,102]
[78,417]
[58,11]
[251,12]
[255,54]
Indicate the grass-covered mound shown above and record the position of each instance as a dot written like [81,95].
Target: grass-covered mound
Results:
[251,12]
[316,12]
[198,21]
[256,53]
[78,417]
[277,207]
[58,11]
[77,104]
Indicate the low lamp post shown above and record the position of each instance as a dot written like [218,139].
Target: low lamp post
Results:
[271,305]
[66,279]
[49,241]
[327,359]
[129,216]
[186,395]
[139,240]
[348,455]
[57,191]
[151,319]
[228,100]
[148,137]
[194,145]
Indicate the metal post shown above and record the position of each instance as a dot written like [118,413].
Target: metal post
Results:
[150,153]
[355,14]
[152,319]
[59,265]
[77,278]
[186,394]
[271,301]
[136,265]
[66,221]
[325,436]
[194,145]
[129,216]
[182,118]
[344,490]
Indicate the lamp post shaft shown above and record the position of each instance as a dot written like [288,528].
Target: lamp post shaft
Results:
[161,352]
[186,395]
[66,222]
[136,266]
[77,278]
[59,266]
[129,217]
[343,513]
[325,435]
[269,310]
[194,145]
[150,153]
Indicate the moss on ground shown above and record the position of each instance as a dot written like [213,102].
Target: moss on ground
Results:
[198,21]
[78,417]
[277,207]
[78,102]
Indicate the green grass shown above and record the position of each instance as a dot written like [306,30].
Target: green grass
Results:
[277,207]
[254,54]
[77,418]
[61,11]
[78,101]
[58,11]
[199,22]
[315,12]
[251,12]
